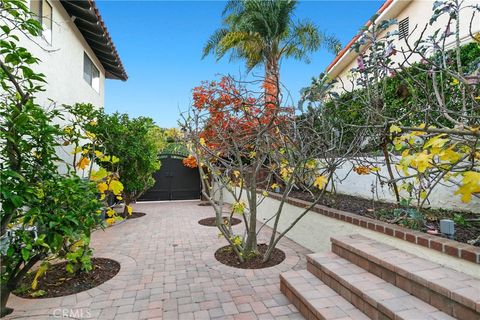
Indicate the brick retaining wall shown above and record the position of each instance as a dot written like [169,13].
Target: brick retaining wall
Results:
[447,246]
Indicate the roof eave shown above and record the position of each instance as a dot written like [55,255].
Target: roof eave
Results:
[89,22]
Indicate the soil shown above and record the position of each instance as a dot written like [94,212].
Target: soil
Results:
[384,212]
[57,282]
[135,215]
[210,222]
[226,256]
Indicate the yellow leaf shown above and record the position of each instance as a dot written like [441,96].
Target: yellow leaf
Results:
[110,221]
[421,161]
[202,142]
[77,244]
[311,164]
[236,173]
[274,186]
[98,175]
[238,207]
[320,182]
[115,159]
[110,213]
[105,159]
[76,150]
[90,135]
[455,82]
[265,193]
[102,187]
[83,163]
[436,142]
[423,194]
[129,210]
[395,129]
[449,155]
[470,185]
[40,272]
[115,186]
[98,154]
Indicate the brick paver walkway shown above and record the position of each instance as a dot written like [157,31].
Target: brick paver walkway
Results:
[168,272]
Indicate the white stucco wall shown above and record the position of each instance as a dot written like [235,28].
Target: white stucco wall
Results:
[442,196]
[419,13]
[62,63]
[314,230]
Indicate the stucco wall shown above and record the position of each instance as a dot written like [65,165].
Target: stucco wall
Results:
[442,196]
[314,230]
[62,63]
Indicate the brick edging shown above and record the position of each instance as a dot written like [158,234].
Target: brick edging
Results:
[447,246]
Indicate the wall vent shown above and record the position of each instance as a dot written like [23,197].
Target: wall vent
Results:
[403,28]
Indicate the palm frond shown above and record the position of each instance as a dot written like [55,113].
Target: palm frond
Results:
[213,41]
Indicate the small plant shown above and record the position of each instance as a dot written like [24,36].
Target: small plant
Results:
[460,220]
[408,216]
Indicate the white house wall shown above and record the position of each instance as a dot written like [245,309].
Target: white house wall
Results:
[419,13]
[62,63]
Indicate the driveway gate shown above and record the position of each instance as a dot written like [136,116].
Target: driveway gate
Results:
[174,181]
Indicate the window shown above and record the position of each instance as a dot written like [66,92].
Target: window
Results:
[403,29]
[43,11]
[91,73]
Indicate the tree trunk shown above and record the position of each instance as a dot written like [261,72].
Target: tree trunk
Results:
[5,294]
[251,241]
[272,82]
[390,171]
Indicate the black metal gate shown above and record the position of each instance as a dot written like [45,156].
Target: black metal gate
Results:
[174,181]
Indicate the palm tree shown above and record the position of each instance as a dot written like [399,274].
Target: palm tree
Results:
[262,32]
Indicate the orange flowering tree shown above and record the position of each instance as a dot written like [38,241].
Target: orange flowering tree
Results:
[244,149]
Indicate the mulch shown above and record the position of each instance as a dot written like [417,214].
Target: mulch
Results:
[226,256]
[57,282]
[135,215]
[211,222]
[372,209]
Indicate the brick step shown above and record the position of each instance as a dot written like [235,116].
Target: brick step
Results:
[375,297]
[316,300]
[452,292]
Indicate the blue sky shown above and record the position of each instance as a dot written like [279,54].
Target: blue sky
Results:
[160,44]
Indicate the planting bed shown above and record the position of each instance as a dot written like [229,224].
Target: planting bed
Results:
[384,212]
[57,282]
[226,256]
[135,215]
[210,222]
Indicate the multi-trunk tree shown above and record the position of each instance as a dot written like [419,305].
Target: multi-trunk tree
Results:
[243,149]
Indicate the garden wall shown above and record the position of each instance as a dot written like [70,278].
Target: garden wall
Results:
[351,183]
[314,230]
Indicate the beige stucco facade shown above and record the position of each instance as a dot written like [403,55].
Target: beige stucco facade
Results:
[62,62]
[418,12]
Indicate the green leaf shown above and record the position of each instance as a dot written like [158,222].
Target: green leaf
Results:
[25,254]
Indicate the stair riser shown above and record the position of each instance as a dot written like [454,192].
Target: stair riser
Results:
[439,301]
[297,302]
[354,298]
